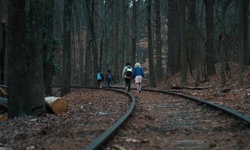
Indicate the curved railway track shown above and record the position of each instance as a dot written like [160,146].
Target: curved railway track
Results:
[112,129]
[101,119]
[169,121]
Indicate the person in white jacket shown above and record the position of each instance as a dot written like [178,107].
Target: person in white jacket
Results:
[127,75]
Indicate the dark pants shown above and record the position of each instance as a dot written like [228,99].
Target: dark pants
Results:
[109,83]
[127,83]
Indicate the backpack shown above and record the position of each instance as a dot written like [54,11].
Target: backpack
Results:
[98,76]
[109,76]
[128,71]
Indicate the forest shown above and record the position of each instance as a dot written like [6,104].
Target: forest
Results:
[46,43]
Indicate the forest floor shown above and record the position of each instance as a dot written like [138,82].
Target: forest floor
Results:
[233,94]
[33,132]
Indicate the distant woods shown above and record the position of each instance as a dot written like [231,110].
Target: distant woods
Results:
[65,42]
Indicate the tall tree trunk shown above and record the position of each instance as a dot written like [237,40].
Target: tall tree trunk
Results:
[241,40]
[88,68]
[90,17]
[116,37]
[223,57]
[158,39]
[66,70]
[3,41]
[2,51]
[223,52]
[194,51]
[48,46]
[245,32]
[73,46]
[210,37]
[134,33]
[124,8]
[107,42]
[18,101]
[80,45]
[36,80]
[184,65]
[150,45]
[1,45]
[173,60]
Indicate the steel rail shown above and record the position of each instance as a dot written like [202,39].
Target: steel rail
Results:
[110,131]
[200,101]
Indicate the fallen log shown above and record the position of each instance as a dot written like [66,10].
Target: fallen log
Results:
[3,117]
[56,104]
[188,87]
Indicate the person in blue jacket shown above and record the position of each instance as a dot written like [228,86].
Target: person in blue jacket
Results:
[99,78]
[138,74]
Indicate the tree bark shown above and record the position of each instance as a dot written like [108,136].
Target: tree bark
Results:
[66,70]
[90,18]
[173,60]
[150,45]
[116,37]
[48,46]
[158,40]
[210,37]
[79,43]
[36,79]
[3,40]
[184,65]
[88,66]
[134,33]
[241,39]
[245,32]
[223,51]
[19,102]
[1,44]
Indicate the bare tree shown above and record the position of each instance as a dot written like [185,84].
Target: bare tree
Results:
[28,63]
[210,37]
[245,32]
[241,39]
[91,26]
[35,51]
[115,27]
[66,70]
[223,36]
[18,101]
[134,32]
[173,60]
[49,53]
[3,16]
[1,45]
[184,65]
[150,45]
[80,41]
[158,39]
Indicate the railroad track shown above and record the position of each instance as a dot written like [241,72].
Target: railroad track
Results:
[102,119]
[171,121]
[112,129]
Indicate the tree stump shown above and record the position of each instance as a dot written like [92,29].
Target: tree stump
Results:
[3,117]
[56,104]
